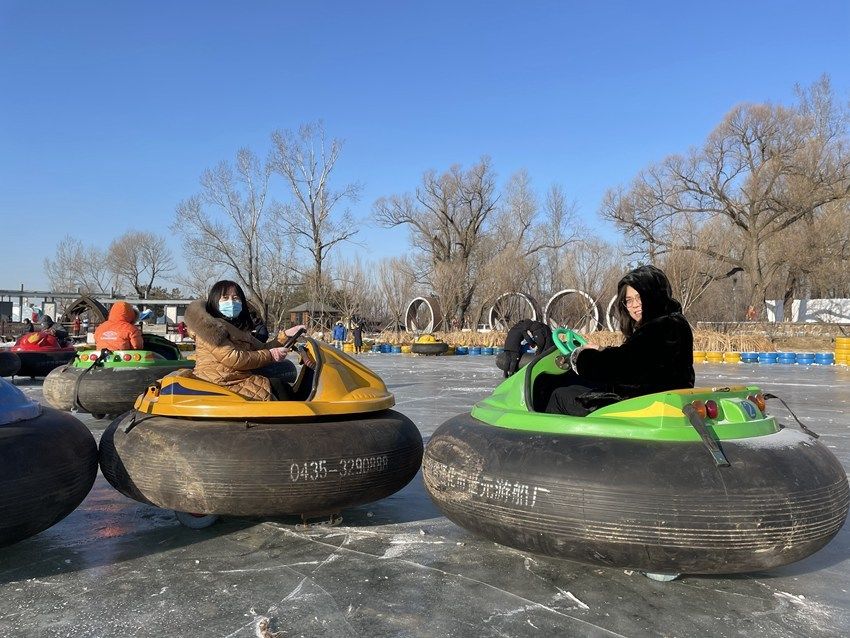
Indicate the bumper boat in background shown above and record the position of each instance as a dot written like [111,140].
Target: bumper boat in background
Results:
[48,463]
[108,382]
[429,345]
[698,481]
[41,352]
[193,446]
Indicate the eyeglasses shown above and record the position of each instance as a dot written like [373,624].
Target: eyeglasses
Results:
[631,302]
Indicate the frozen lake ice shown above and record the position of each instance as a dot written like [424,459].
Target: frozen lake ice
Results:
[397,567]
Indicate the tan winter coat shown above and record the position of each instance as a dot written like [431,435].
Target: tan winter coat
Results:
[226,355]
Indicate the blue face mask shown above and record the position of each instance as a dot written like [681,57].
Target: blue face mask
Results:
[230,309]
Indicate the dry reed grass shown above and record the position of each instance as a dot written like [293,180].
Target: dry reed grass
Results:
[705,340]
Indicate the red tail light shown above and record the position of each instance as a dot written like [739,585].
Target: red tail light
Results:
[711,409]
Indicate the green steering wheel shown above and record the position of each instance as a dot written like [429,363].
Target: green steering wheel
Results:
[571,341]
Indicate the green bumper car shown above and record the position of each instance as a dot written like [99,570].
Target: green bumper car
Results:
[698,481]
[106,382]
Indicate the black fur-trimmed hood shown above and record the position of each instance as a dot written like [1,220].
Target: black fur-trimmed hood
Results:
[211,329]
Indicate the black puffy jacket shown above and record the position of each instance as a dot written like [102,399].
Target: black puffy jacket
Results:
[658,353]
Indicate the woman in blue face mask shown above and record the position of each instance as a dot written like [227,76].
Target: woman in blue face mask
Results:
[226,353]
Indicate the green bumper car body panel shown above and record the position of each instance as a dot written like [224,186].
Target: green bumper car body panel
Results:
[130,359]
[656,417]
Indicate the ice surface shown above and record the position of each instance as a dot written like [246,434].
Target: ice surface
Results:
[397,567]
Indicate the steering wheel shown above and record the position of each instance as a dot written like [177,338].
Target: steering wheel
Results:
[291,340]
[571,341]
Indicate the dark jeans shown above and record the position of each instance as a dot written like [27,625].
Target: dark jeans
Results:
[566,399]
[281,389]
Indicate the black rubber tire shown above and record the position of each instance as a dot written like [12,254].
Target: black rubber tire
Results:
[650,506]
[101,390]
[47,467]
[10,363]
[429,348]
[260,469]
[525,359]
[39,364]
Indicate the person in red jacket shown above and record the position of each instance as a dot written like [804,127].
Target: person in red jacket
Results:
[119,331]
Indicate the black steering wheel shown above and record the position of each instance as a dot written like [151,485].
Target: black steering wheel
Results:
[290,341]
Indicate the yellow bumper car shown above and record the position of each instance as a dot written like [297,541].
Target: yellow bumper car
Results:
[195,447]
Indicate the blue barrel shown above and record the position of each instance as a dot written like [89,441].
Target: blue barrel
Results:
[805,358]
[488,351]
[461,350]
[750,357]
[787,357]
[475,350]
[498,350]
[824,358]
[396,349]
[768,357]
[376,347]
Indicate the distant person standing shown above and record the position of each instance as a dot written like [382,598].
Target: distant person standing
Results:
[28,327]
[181,330]
[76,325]
[339,335]
[358,338]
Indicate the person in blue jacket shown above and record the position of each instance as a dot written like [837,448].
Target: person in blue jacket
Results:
[339,335]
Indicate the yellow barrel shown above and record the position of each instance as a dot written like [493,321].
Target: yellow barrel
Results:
[699,356]
[842,343]
[348,347]
[732,357]
[714,356]
[405,349]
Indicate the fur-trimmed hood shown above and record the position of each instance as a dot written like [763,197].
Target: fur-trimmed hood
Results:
[215,331]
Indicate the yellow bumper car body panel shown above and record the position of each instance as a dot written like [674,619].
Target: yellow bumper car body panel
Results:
[341,385]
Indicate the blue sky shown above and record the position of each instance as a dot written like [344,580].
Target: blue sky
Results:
[110,111]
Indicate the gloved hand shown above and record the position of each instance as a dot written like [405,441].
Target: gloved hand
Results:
[294,330]
[279,354]
[307,358]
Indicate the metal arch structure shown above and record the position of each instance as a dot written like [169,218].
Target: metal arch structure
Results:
[611,319]
[500,317]
[589,321]
[97,310]
[435,321]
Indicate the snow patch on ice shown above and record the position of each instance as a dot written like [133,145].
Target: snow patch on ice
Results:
[785,438]
[814,613]
[566,595]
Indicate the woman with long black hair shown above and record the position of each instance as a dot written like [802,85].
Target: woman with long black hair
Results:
[657,353]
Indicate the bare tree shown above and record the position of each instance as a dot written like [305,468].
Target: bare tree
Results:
[763,169]
[229,230]
[306,162]
[139,258]
[475,246]
[448,220]
[561,229]
[352,287]
[78,267]
[63,270]
[396,283]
